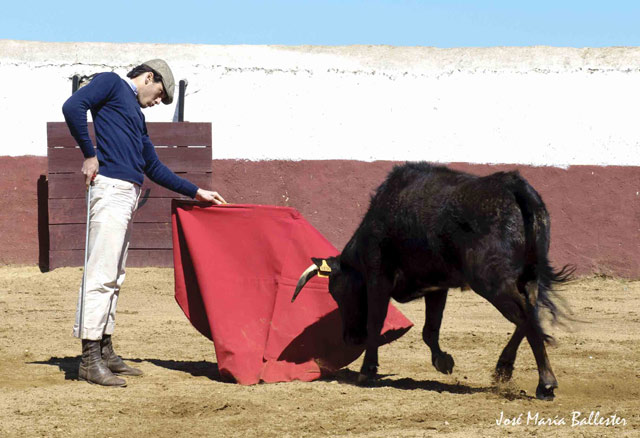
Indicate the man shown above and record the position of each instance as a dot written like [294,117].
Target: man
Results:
[124,155]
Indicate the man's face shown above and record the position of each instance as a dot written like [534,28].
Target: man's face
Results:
[151,93]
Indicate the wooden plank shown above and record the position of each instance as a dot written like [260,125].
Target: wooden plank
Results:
[144,236]
[73,211]
[180,133]
[160,133]
[136,258]
[58,135]
[71,185]
[178,159]
[67,160]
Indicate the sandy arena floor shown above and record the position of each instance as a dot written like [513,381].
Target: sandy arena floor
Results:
[596,362]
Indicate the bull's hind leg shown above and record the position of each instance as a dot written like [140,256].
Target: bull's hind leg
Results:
[535,336]
[517,309]
[547,381]
[504,368]
[434,303]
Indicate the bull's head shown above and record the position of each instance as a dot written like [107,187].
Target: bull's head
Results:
[347,289]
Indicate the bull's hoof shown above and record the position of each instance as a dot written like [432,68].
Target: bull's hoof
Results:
[443,363]
[364,380]
[503,373]
[367,375]
[545,392]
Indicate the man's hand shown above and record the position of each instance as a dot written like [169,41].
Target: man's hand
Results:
[209,196]
[90,169]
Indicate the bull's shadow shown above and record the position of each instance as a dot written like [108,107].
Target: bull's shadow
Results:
[350,377]
[202,368]
[322,341]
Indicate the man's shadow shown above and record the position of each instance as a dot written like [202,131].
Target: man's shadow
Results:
[200,368]
[69,366]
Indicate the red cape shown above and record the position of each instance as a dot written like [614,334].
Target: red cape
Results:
[236,267]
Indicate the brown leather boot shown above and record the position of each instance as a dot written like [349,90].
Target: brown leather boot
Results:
[113,361]
[93,369]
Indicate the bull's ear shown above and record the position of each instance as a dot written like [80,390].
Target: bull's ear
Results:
[316,261]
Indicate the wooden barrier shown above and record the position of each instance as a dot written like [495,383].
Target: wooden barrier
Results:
[184,147]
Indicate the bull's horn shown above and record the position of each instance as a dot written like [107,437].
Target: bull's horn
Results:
[307,275]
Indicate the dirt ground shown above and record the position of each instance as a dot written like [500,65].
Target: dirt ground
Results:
[596,362]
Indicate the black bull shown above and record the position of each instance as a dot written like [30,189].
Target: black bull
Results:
[428,229]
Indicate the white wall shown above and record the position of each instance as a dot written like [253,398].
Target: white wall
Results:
[538,105]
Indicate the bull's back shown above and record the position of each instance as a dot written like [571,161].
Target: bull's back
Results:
[417,212]
[444,225]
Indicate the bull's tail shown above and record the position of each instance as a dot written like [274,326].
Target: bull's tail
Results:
[538,271]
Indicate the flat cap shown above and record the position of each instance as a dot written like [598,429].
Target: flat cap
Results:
[168,82]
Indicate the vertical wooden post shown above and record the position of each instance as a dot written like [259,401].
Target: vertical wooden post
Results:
[75,83]
[181,91]
[43,223]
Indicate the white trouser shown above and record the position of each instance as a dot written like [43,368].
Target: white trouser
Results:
[112,206]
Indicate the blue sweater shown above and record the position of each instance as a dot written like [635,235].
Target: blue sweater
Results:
[124,149]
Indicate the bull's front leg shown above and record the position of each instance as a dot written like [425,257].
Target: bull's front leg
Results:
[369,368]
[434,307]
[378,296]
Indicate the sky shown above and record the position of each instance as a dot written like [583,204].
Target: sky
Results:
[560,23]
